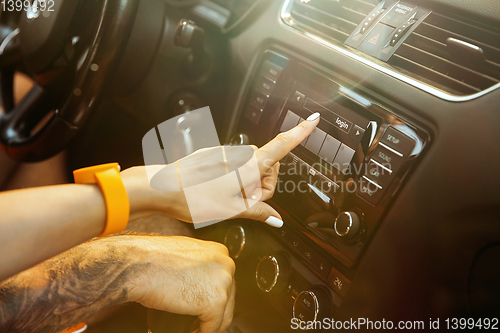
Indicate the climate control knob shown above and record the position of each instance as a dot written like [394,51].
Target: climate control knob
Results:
[239,139]
[238,241]
[347,225]
[273,273]
[312,305]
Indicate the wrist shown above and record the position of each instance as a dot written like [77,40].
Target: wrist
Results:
[146,200]
[133,251]
[123,254]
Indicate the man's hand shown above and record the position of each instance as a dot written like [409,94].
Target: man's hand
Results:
[185,276]
[176,274]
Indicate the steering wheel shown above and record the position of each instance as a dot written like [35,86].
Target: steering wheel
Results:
[69,49]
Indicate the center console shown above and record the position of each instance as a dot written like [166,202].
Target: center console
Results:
[333,189]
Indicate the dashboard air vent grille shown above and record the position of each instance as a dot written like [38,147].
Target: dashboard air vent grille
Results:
[331,19]
[456,54]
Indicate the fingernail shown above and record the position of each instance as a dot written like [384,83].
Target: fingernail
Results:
[274,222]
[313,117]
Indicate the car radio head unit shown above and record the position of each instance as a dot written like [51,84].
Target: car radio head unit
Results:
[335,186]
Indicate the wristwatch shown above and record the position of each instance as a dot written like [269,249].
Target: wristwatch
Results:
[107,177]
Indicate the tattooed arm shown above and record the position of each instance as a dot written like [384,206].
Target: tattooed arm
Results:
[61,291]
[176,274]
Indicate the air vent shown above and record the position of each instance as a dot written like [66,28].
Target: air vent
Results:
[330,19]
[455,54]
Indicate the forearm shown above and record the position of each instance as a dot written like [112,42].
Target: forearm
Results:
[39,223]
[68,288]
[36,224]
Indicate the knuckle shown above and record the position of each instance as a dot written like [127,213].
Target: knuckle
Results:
[302,125]
[268,163]
[283,137]
[231,266]
[216,249]
[221,296]
[227,282]
[221,248]
[258,212]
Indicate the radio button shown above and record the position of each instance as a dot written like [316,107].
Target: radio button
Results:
[299,98]
[339,283]
[303,143]
[284,233]
[322,266]
[343,158]
[315,140]
[357,133]
[296,243]
[291,120]
[388,157]
[259,99]
[398,141]
[379,174]
[271,70]
[329,149]
[265,84]
[308,253]
[253,114]
[369,191]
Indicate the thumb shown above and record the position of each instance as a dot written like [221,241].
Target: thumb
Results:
[261,211]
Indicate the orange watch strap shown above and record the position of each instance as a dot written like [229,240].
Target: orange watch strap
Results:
[78,328]
[107,177]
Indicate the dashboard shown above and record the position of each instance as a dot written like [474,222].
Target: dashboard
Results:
[392,205]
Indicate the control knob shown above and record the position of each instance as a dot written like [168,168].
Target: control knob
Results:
[273,273]
[347,225]
[240,139]
[311,305]
[189,35]
[238,240]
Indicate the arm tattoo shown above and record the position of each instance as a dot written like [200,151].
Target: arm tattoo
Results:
[66,289]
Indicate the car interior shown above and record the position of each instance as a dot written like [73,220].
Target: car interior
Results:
[391,206]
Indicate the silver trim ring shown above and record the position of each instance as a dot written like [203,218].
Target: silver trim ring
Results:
[8,39]
[316,304]
[243,239]
[276,273]
[285,19]
[342,234]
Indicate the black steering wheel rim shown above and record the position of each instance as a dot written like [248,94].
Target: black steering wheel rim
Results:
[79,101]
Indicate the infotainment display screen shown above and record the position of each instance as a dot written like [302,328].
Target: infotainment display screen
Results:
[331,150]
[334,142]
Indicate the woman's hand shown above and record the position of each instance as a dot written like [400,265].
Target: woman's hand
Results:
[215,183]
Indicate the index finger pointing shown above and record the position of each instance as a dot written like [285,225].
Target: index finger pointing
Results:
[284,142]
